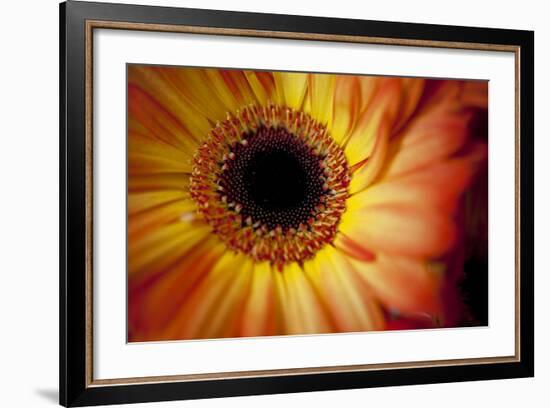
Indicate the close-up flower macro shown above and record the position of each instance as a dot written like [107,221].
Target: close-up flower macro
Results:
[268,203]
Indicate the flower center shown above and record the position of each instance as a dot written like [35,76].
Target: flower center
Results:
[272,183]
[275,177]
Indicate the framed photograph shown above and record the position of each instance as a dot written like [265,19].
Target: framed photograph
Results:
[256,203]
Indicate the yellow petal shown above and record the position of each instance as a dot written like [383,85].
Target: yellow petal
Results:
[349,302]
[301,309]
[158,182]
[196,93]
[232,88]
[150,219]
[160,247]
[347,104]
[225,317]
[138,202]
[151,119]
[321,97]
[146,156]
[263,86]
[291,88]
[363,174]
[154,162]
[383,106]
[182,92]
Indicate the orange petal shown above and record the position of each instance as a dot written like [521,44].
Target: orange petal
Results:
[407,285]
[436,188]
[258,317]
[237,81]
[154,303]
[430,139]
[225,317]
[209,309]
[368,88]
[351,248]
[412,90]
[400,230]
[440,93]
[475,94]
[262,84]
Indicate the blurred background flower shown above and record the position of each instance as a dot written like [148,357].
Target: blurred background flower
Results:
[270,203]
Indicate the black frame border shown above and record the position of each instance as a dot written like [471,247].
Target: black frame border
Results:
[72,328]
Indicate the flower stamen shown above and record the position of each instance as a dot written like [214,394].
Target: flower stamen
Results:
[272,183]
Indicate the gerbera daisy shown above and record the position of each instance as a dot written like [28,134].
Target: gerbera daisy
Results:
[271,203]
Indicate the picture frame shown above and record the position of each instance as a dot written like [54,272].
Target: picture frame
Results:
[79,23]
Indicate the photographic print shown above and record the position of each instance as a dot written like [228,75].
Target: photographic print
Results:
[241,215]
[267,203]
